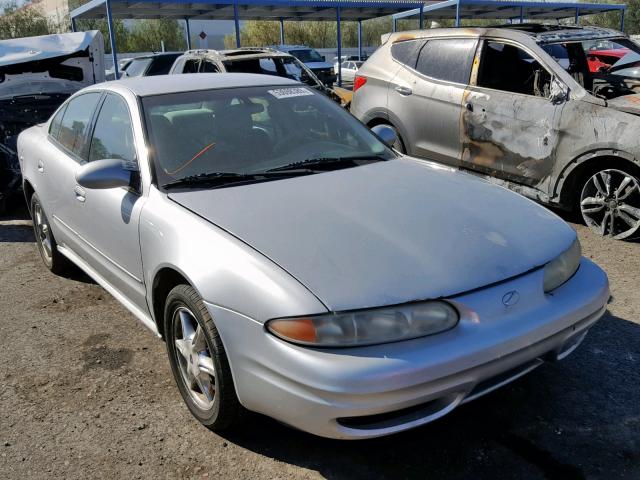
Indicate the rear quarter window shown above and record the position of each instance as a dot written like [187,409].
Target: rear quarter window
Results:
[406,52]
[447,59]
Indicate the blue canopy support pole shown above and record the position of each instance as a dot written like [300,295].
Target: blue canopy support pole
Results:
[236,21]
[622,20]
[74,28]
[112,40]
[339,39]
[394,25]
[577,16]
[421,20]
[359,39]
[281,31]
[458,13]
[188,29]
[521,14]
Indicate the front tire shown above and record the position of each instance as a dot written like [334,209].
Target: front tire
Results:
[46,242]
[198,360]
[610,203]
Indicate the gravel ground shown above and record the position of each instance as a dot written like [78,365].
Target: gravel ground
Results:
[86,392]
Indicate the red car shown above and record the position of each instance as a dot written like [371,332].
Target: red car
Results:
[604,58]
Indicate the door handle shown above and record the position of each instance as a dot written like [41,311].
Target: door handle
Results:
[79,191]
[403,90]
[40,166]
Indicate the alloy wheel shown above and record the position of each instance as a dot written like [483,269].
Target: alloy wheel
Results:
[194,358]
[610,204]
[43,232]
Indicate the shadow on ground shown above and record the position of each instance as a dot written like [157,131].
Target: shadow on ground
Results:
[568,420]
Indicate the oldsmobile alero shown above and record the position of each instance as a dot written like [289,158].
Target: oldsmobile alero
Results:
[294,264]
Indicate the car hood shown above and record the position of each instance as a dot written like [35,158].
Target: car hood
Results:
[318,65]
[387,233]
[626,103]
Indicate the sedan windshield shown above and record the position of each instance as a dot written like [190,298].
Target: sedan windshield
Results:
[220,137]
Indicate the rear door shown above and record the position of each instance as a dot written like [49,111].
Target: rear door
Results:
[427,93]
[68,149]
[510,126]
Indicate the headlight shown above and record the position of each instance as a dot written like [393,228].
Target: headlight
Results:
[562,268]
[367,327]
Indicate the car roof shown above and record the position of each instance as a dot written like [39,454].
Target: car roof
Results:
[163,84]
[239,53]
[156,55]
[536,32]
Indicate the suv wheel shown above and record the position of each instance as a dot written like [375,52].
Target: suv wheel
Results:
[47,246]
[610,203]
[198,360]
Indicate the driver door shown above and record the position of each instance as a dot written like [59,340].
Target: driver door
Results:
[510,126]
[108,219]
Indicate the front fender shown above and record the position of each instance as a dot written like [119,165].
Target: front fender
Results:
[224,270]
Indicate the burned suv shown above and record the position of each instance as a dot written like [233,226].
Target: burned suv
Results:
[532,107]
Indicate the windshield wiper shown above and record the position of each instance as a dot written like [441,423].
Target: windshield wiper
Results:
[326,161]
[227,178]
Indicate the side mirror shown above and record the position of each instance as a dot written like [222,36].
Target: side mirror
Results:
[386,134]
[101,174]
[559,91]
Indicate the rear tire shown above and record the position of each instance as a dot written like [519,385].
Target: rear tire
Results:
[610,203]
[46,242]
[198,360]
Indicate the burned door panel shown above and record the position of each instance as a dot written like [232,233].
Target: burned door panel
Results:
[510,136]
[509,125]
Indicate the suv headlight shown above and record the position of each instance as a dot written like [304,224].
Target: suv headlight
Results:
[367,327]
[562,268]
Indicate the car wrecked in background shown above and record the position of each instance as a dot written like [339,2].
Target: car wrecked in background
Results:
[37,74]
[264,61]
[520,106]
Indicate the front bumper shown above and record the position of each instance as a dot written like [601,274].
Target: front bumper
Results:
[378,390]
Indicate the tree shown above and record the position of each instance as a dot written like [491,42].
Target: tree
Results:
[26,21]
[316,34]
[148,36]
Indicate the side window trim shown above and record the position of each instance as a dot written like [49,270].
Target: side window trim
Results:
[81,159]
[479,54]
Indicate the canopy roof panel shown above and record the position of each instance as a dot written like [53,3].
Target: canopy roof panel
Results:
[491,9]
[247,9]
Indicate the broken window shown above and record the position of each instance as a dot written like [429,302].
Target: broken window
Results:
[447,59]
[511,69]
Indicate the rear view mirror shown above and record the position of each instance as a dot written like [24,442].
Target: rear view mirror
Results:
[386,133]
[101,174]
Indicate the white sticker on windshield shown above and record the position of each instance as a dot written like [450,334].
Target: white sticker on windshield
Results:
[290,92]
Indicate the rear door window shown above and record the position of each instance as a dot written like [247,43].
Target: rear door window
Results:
[407,52]
[54,126]
[75,124]
[447,59]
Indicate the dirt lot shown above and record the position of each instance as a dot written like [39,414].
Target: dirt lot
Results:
[86,392]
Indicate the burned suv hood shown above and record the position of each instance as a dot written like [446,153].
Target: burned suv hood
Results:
[388,232]
[626,103]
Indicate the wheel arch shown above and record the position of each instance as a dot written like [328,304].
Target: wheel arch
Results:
[165,280]
[575,172]
[28,190]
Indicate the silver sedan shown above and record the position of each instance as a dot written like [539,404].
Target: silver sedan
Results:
[293,263]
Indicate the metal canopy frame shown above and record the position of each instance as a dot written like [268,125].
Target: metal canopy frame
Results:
[278,10]
[511,10]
